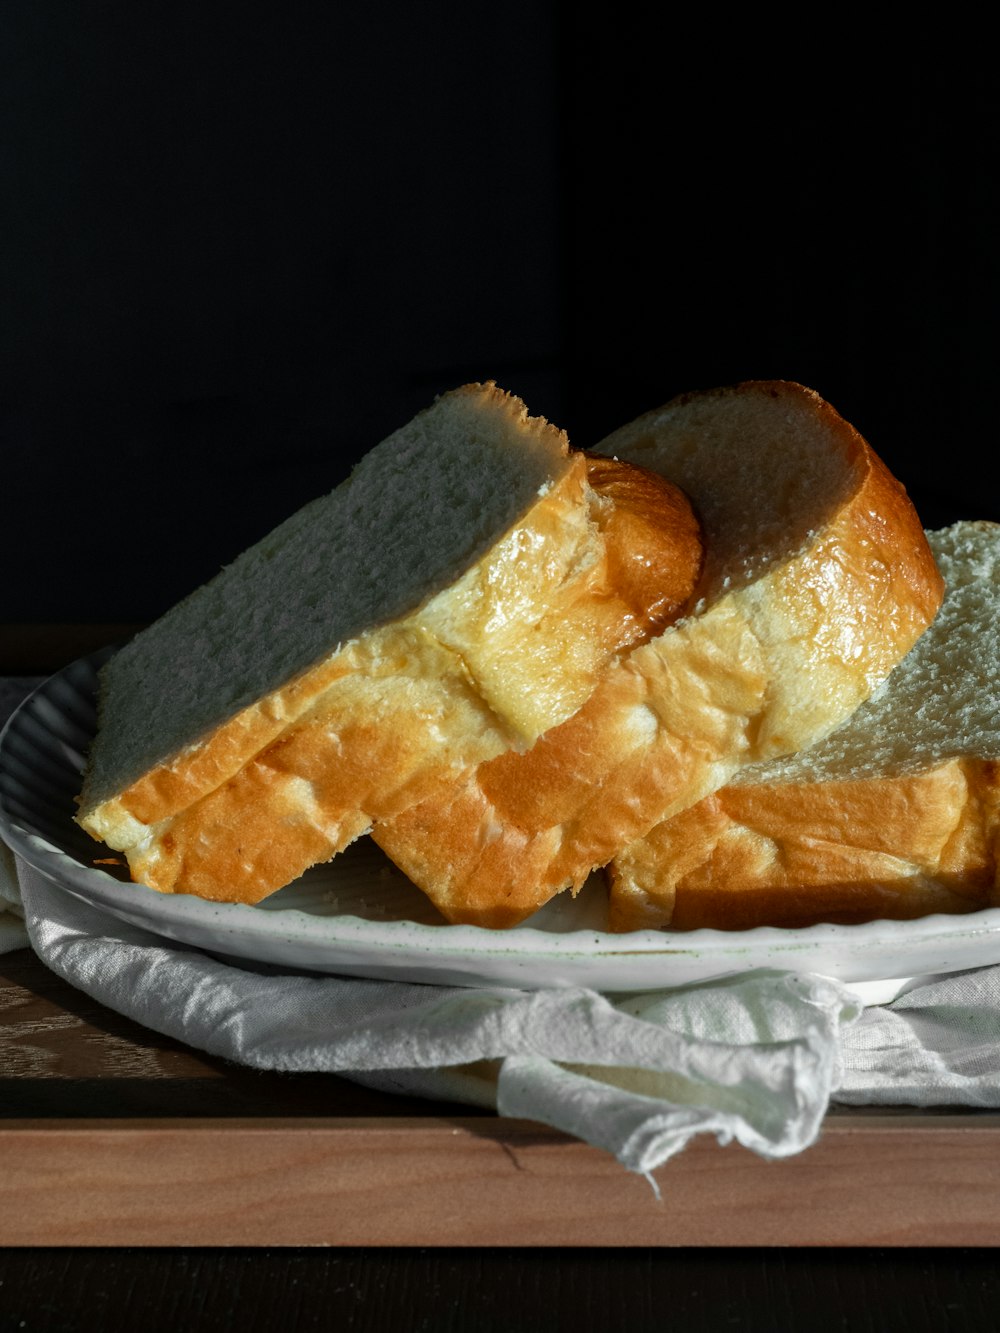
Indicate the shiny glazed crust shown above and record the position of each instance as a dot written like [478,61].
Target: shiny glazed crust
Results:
[794,854]
[766,668]
[395,717]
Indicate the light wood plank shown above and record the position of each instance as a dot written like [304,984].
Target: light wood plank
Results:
[886,1181]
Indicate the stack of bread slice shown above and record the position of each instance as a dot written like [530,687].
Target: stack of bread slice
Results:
[513,663]
[818,581]
[459,595]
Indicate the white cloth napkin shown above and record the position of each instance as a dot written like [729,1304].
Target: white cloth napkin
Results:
[752,1059]
[755,1058]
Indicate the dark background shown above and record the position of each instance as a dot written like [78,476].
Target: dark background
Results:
[242,243]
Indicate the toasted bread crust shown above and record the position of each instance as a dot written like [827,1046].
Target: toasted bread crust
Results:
[767,668]
[795,854]
[396,718]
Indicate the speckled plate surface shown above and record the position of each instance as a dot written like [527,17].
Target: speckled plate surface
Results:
[359,916]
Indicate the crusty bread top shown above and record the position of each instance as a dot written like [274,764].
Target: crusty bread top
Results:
[417,511]
[943,700]
[767,463]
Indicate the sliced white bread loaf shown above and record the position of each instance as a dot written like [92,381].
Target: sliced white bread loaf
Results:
[450,600]
[818,581]
[894,815]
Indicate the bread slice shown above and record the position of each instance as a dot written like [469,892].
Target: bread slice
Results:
[818,580]
[894,815]
[449,601]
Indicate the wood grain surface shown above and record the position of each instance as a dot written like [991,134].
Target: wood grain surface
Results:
[456,1182]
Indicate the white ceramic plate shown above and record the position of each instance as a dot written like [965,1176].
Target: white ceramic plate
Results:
[359,916]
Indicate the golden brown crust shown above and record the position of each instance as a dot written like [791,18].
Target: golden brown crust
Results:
[653,546]
[402,721]
[794,854]
[765,669]
[174,785]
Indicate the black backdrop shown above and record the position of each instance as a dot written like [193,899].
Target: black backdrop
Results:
[240,243]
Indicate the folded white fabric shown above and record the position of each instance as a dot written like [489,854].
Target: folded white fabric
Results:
[936,1045]
[754,1058]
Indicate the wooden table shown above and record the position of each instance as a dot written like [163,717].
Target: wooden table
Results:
[144,1176]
